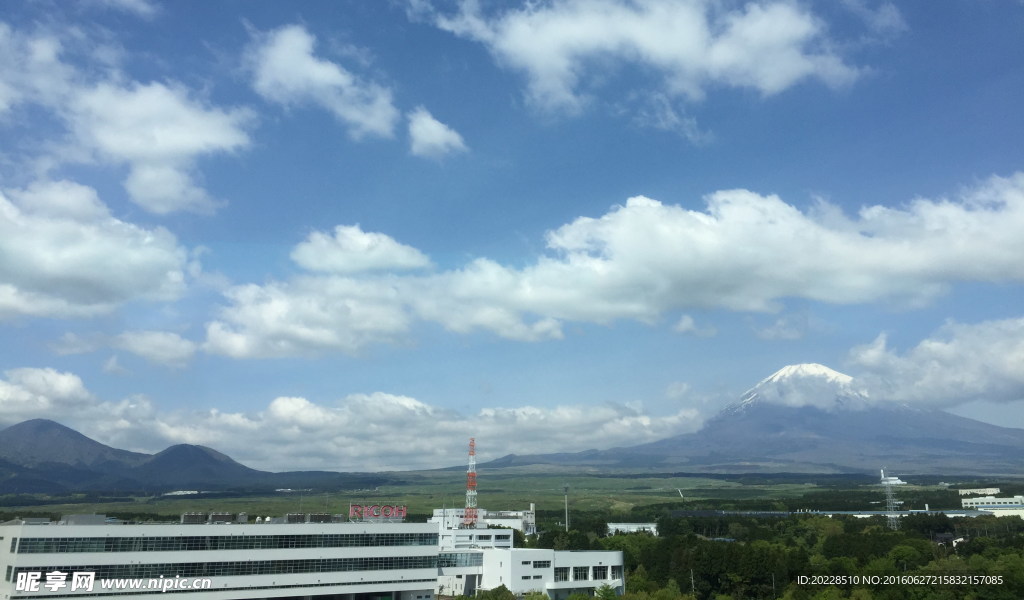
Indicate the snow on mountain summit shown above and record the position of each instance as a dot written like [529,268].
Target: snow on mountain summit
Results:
[808,370]
[808,384]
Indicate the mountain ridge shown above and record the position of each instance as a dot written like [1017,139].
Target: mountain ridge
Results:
[43,456]
[810,418]
[801,419]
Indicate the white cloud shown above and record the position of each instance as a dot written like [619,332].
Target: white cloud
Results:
[111,365]
[31,69]
[159,131]
[961,363]
[307,315]
[356,433]
[657,110]
[690,45]
[146,9]
[286,71]
[162,347]
[686,325]
[745,252]
[885,20]
[65,256]
[431,138]
[29,393]
[784,328]
[677,390]
[351,250]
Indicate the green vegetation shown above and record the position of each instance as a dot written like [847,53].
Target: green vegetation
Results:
[765,558]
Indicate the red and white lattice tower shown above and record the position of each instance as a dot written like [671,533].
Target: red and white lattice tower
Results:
[470,519]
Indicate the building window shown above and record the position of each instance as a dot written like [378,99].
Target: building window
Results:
[600,572]
[580,573]
[526,562]
[561,573]
[536,576]
[542,564]
[616,571]
[526,576]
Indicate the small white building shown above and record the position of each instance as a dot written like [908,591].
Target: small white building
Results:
[990,502]
[651,528]
[556,573]
[523,520]
[979,491]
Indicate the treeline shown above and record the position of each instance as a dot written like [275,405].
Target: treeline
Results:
[733,558]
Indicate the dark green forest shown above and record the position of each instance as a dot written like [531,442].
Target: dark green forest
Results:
[812,557]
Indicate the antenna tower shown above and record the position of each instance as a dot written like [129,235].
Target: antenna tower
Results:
[470,518]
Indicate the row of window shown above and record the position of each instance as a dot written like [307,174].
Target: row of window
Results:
[584,573]
[248,587]
[460,559]
[238,568]
[214,542]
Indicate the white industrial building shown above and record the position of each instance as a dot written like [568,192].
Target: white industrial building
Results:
[556,573]
[990,502]
[218,559]
[979,491]
[522,520]
[651,528]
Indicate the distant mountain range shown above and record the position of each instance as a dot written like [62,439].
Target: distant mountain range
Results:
[802,419]
[42,456]
[811,419]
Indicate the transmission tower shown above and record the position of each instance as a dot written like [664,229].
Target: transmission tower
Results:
[469,520]
[891,506]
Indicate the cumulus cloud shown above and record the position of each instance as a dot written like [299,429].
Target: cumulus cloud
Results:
[431,138]
[745,252]
[161,347]
[565,47]
[351,250]
[30,68]
[159,131]
[286,71]
[307,315]
[65,256]
[355,433]
[960,363]
[29,393]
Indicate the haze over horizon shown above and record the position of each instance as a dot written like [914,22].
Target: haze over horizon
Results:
[351,235]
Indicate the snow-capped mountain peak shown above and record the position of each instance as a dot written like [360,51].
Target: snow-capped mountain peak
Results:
[807,384]
[808,370]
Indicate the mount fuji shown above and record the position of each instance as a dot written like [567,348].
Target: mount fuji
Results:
[809,418]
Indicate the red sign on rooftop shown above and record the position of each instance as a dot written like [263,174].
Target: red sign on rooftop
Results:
[376,512]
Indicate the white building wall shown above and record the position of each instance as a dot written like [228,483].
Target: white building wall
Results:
[524,570]
[979,491]
[523,520]
[412,583]
[651,528]
[992,501]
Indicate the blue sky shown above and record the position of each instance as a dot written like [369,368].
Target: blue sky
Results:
[351,235]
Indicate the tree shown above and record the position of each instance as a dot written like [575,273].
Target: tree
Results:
[606,592]
[499,593]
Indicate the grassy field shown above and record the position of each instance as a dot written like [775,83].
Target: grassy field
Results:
[423,491]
